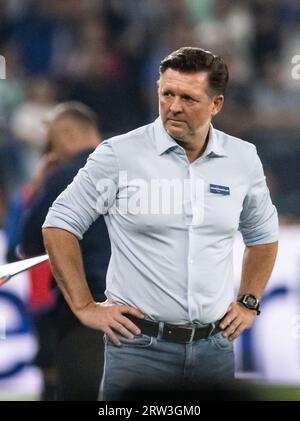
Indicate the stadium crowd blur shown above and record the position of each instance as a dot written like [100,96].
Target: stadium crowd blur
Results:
[105,53]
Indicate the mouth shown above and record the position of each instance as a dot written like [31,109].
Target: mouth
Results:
[175,121]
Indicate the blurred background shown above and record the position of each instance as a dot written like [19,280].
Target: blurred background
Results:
[106,54]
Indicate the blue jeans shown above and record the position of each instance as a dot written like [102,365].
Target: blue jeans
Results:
[148,364]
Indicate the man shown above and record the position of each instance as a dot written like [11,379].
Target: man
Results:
[173,193]
[70,354]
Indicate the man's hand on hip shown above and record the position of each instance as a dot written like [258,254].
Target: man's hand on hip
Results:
[110,318]
[237,319]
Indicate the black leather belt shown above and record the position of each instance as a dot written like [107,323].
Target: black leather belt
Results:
[175,333]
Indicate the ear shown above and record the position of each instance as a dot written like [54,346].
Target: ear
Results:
[218,102]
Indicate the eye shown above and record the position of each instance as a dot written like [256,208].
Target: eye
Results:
[187,98]
[167,94]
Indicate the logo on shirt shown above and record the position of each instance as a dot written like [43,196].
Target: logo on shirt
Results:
[224,190]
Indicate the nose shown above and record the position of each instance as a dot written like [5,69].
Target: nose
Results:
[176,106]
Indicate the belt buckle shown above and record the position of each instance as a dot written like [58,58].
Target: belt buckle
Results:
[193,330]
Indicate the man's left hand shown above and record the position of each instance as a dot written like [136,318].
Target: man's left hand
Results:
[237,319]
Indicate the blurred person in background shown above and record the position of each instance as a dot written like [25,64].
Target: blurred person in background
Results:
[170,318]
[71,355]
[41,297]
[27,124]
[20,200]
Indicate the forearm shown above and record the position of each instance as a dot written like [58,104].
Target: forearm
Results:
[257,267]
[67,267]
[258,263]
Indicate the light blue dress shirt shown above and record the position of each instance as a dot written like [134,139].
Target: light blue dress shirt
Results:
[171,223]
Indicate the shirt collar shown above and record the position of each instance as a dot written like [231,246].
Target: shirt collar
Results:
[164,141]
[215,146]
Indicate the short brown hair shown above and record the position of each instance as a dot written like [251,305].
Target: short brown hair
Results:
[74,110]
[192,60]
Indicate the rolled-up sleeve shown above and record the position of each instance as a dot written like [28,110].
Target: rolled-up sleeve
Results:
[81,203]
[258,219]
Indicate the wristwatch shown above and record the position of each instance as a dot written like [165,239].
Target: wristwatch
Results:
[249,301]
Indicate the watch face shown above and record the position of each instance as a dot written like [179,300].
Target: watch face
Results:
[251,301]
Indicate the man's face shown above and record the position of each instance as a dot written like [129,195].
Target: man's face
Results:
[185,104]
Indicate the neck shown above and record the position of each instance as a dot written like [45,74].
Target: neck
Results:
[196,148]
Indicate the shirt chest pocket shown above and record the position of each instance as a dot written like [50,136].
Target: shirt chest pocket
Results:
[223,210]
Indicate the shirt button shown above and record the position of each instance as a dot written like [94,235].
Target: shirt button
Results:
[191,261]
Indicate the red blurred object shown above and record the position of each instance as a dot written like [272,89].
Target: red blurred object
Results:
[41,294]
